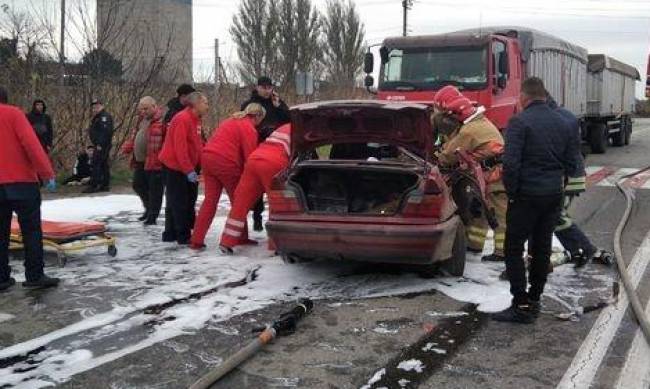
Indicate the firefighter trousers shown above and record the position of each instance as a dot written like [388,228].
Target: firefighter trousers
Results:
[256,179]
[478,228]
[216,179]
[570,235]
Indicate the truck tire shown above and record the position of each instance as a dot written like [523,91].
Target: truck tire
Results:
[598,138]
[618,138]
[628,130]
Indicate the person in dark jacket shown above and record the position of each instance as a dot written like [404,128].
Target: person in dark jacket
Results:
[277,114]
[539,153]
[82,170]
[178,103]
[42,124]
[101,136]
[22,165]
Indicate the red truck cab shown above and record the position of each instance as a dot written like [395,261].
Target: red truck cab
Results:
[486,68]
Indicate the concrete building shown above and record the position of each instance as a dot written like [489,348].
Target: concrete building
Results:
[150,37]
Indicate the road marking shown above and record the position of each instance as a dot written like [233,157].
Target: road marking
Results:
[636,371]
[607,176]
[591,353]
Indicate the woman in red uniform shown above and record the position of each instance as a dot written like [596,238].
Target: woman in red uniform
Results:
[270,158]
[222,162]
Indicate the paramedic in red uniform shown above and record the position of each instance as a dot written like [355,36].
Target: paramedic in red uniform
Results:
[269,159]
[22,164]
[222,164]
[180,156]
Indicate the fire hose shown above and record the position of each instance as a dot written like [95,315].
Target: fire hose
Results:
[284,325]
[637,308]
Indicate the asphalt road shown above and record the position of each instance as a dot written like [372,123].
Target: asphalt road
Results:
[424,339]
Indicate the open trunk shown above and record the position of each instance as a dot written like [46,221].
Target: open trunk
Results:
[343,189]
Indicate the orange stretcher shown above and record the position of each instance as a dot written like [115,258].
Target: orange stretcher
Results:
[66,237]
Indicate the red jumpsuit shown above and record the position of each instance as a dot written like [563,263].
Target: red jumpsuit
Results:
[270,158]
[222,161]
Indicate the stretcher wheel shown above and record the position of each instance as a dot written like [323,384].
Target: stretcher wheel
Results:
[112,250]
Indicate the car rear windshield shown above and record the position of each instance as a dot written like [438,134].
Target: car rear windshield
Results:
[432,68]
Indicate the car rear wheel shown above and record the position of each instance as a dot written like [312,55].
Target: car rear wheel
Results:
[455,265]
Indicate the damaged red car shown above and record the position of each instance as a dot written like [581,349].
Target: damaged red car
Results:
[393,209]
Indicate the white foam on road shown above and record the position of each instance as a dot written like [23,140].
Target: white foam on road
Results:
[148,272]
[591,353]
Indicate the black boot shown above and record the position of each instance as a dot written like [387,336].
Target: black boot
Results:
[42,283]
[258,225]
[90,189]
[226,250]
[604,257]
[4,285]
[516,313]
[143,217]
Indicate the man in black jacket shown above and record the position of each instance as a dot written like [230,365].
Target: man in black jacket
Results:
[178,103]
[277,114]
[539,154]
[101,136]
[42,124]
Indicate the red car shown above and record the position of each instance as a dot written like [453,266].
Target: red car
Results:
[395,210]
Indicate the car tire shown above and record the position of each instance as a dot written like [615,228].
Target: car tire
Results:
[455,265]
[598,138]
[618,138]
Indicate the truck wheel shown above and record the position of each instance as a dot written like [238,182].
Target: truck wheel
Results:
[628,130]
[618,138]
[455,265]
[598,138]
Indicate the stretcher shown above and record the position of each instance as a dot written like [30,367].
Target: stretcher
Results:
[66,237]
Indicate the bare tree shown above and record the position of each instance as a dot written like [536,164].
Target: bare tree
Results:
[299,35]
[255,32]
[343,42]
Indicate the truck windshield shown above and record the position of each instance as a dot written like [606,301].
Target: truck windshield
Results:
[432,68]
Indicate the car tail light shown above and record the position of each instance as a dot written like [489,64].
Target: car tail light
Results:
[425,202]
[283,199]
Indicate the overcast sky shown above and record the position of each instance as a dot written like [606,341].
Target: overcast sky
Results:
[618,28]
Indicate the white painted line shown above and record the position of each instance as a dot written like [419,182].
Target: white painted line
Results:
[589,357]
[636,371]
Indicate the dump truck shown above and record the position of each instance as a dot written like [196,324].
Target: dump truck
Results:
[489,64]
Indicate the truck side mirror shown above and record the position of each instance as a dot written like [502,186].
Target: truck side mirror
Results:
[502,81]
[369,81]
[368,63]
[383,54]
[503,63]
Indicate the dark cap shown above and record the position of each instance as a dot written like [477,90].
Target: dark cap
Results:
[95,102]
[264,80]
[185,89]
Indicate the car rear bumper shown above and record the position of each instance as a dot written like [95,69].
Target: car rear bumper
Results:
[407,244]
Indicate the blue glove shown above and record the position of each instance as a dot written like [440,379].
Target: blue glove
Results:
[193,177]
[51,185]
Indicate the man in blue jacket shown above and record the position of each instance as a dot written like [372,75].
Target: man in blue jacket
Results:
[539,154]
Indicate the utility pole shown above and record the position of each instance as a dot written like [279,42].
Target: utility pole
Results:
[406,6]
[217,72]
[62,48]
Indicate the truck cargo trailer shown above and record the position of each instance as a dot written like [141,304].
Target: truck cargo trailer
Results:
[489,64]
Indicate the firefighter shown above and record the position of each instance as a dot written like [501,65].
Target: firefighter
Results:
[180,157]
[270,158]
[466,128]
[22,165]
[101,136]
[222,163]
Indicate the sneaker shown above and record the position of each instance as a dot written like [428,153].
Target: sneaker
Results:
[493,258]
[258,225]
[42,283]
[521,313]
[225,250]
[4,285]
[197,246]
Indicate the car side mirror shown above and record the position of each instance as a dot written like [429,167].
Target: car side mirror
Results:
[368,63]
[369,81]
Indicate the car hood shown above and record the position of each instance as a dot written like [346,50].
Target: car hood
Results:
[401,124]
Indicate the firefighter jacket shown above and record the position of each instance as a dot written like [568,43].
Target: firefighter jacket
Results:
[481,139]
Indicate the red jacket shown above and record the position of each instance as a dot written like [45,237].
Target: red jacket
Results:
[181,150]
[233,141]
[22,159]
[154,142]
[277,146]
